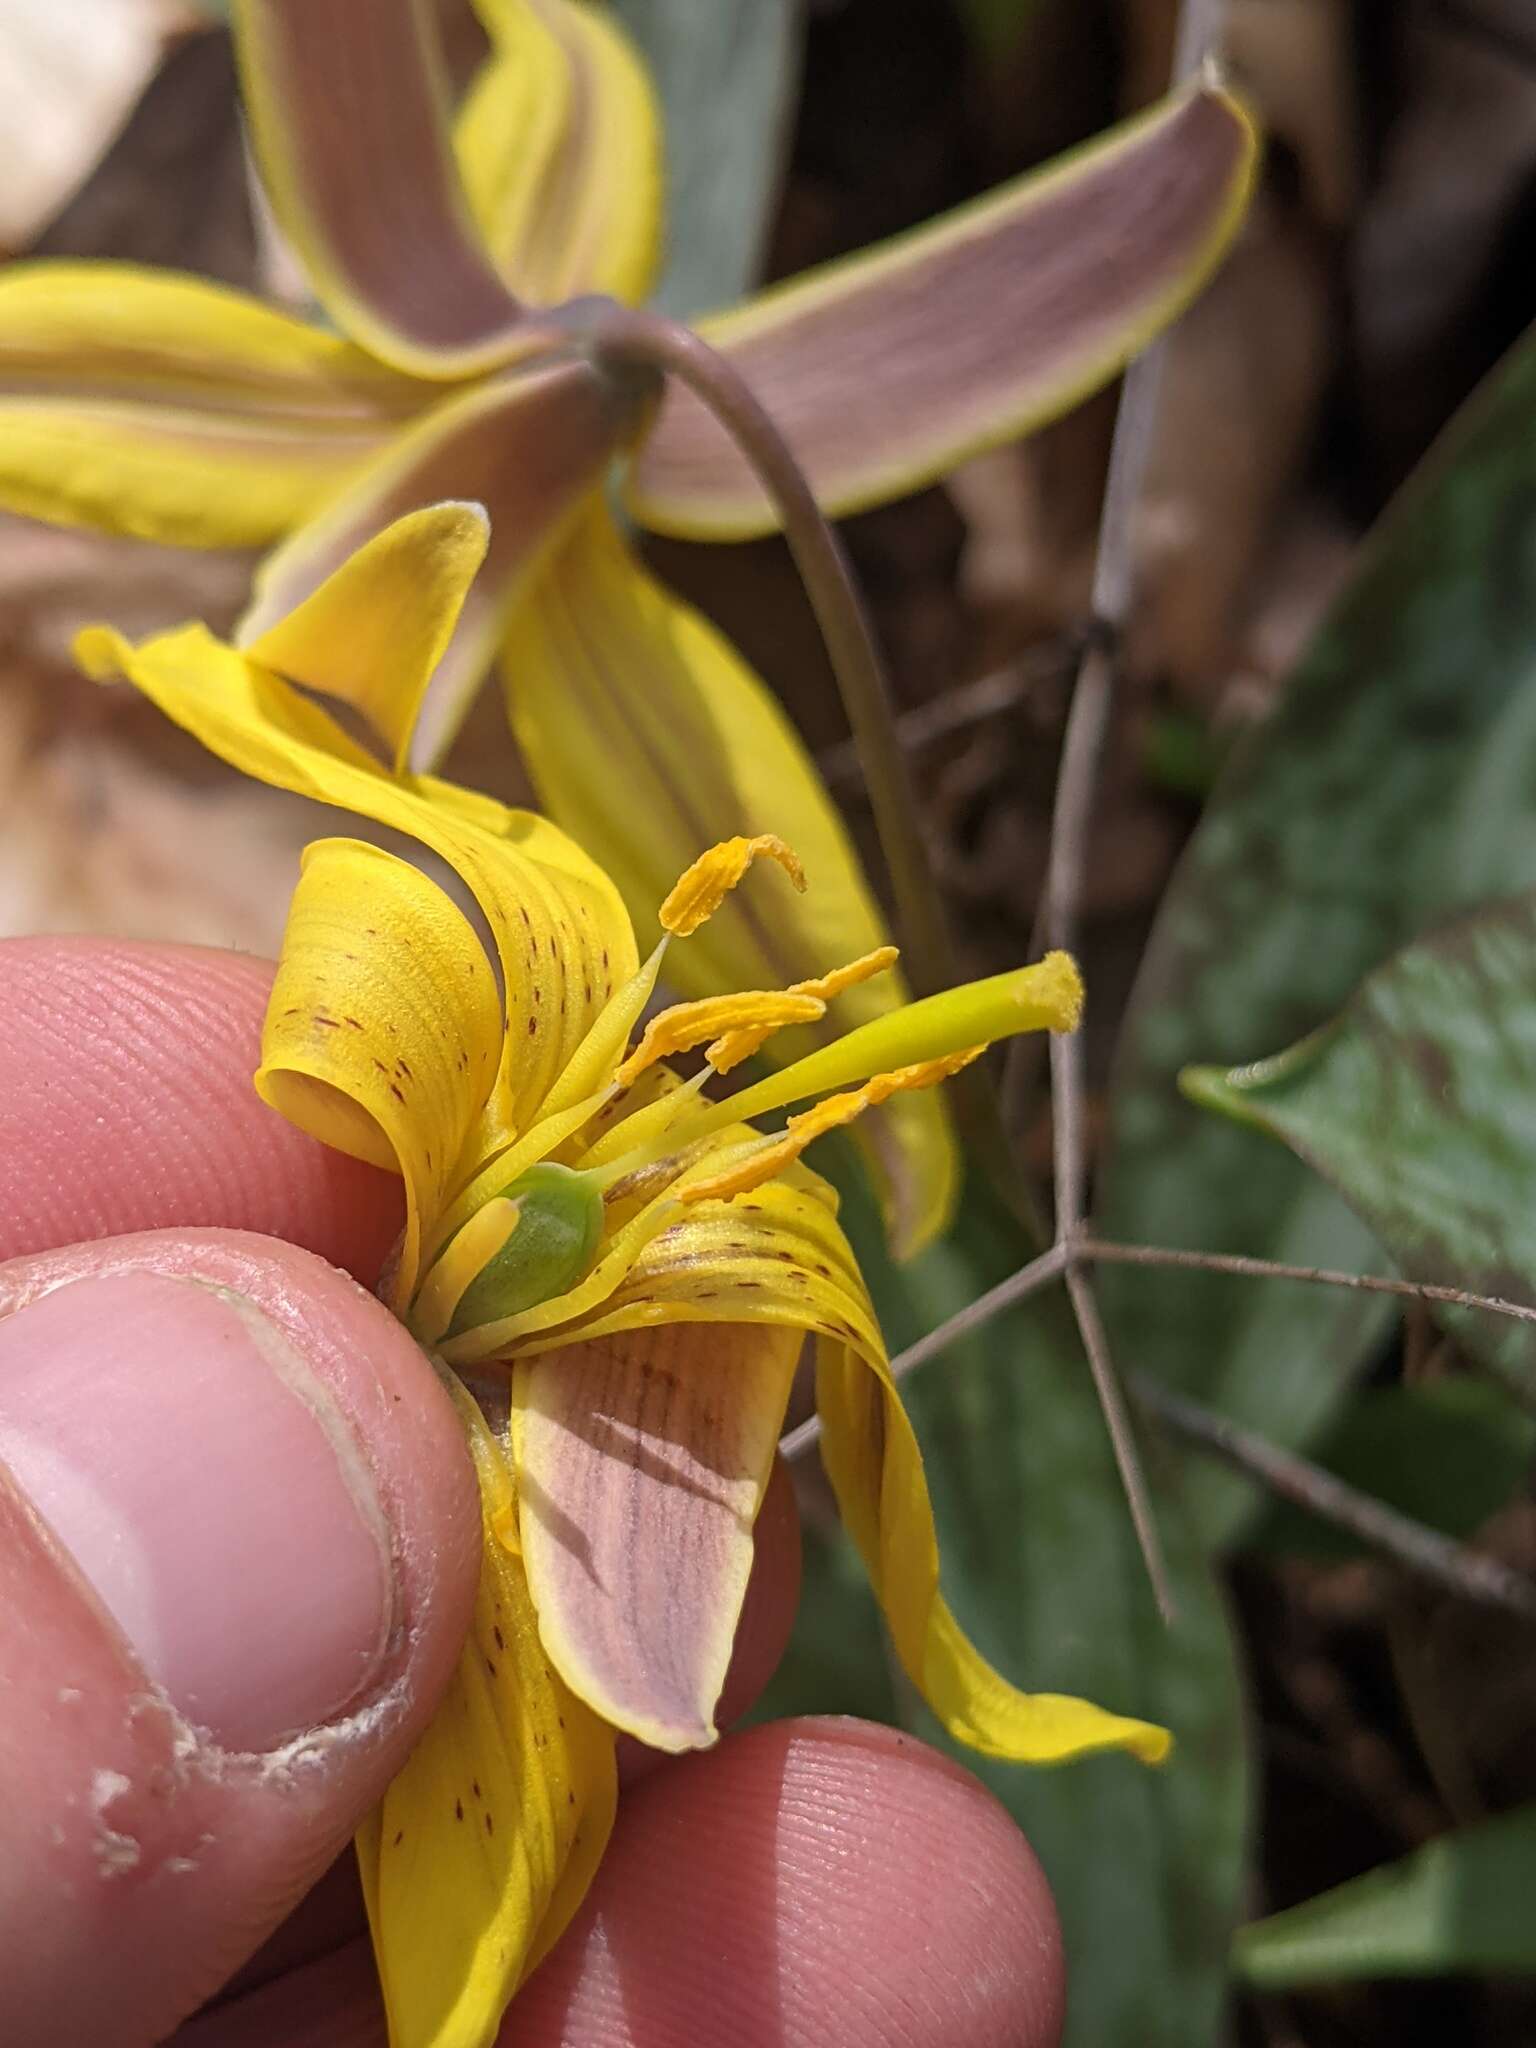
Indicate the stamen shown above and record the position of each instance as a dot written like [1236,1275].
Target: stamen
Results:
[740,1042]
[865,968]
[685,1025]
[701,891]
[645,1132]
[753,1164]
[1046,996]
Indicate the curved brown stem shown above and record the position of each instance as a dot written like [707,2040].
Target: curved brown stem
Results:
[626,337]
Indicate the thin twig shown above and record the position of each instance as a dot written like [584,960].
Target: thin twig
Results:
[1468,1573]
[1105,1252]
[630,336]
[970,704]
[1037,1274]
[1071,822]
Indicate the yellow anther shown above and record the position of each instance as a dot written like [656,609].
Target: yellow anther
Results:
[756,1163]
[863,969]
[741,1041]
[686,1025]
[705,886]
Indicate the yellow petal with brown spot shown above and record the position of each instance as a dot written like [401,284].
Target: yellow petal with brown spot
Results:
[484,1844]
[383,1031]
[562,938]
[614,684]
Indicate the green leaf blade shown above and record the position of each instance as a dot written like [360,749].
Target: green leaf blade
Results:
[1419,1107]
[1395,785]
[726,77]
[1460,1904]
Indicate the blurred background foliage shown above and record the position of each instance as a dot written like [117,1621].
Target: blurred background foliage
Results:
[1316,829]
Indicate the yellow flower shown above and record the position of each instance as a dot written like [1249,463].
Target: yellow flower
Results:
[621,1269]
[153,404]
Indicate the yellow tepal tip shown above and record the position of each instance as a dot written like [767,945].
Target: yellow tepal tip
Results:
[102,653]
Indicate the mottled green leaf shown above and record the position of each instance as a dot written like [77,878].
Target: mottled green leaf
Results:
[1042,1569]
[1395,785]
[726,74]
[1460,1904]
[1419,1105]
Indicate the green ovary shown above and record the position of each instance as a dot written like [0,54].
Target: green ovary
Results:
[559,1223]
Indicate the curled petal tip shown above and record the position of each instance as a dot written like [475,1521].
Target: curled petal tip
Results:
[101,652]
[1150,1744]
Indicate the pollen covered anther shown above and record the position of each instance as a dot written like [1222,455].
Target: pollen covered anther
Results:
[754,1164]
[701,890]
[718,1018]
[744,1039]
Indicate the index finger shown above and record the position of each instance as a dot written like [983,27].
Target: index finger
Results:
[128,1105]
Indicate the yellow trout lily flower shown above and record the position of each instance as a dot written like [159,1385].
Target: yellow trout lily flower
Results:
[156,405]
[621,1269]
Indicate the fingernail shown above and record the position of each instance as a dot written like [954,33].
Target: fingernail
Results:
[210,1492]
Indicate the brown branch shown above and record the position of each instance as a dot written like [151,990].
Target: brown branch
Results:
[1469,1574]
[1071,822]
[1104,1251]
[1028,1280]
[970,704]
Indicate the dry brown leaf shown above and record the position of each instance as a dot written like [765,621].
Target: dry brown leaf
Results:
[113,821]
[69,74]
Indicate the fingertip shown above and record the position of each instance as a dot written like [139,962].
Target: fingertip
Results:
[808,1880]
[243,1541]
[129,1106]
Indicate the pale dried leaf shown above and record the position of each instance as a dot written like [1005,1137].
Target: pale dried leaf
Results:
[68,77]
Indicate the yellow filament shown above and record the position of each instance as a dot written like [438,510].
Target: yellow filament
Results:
[742,1040]
[753,1164]
[686,1025]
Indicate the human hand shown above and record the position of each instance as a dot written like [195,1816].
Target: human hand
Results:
[238,1545]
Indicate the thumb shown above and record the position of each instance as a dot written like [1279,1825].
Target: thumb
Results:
[239,1541]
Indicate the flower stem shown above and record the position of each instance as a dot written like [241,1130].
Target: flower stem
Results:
[626,336]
